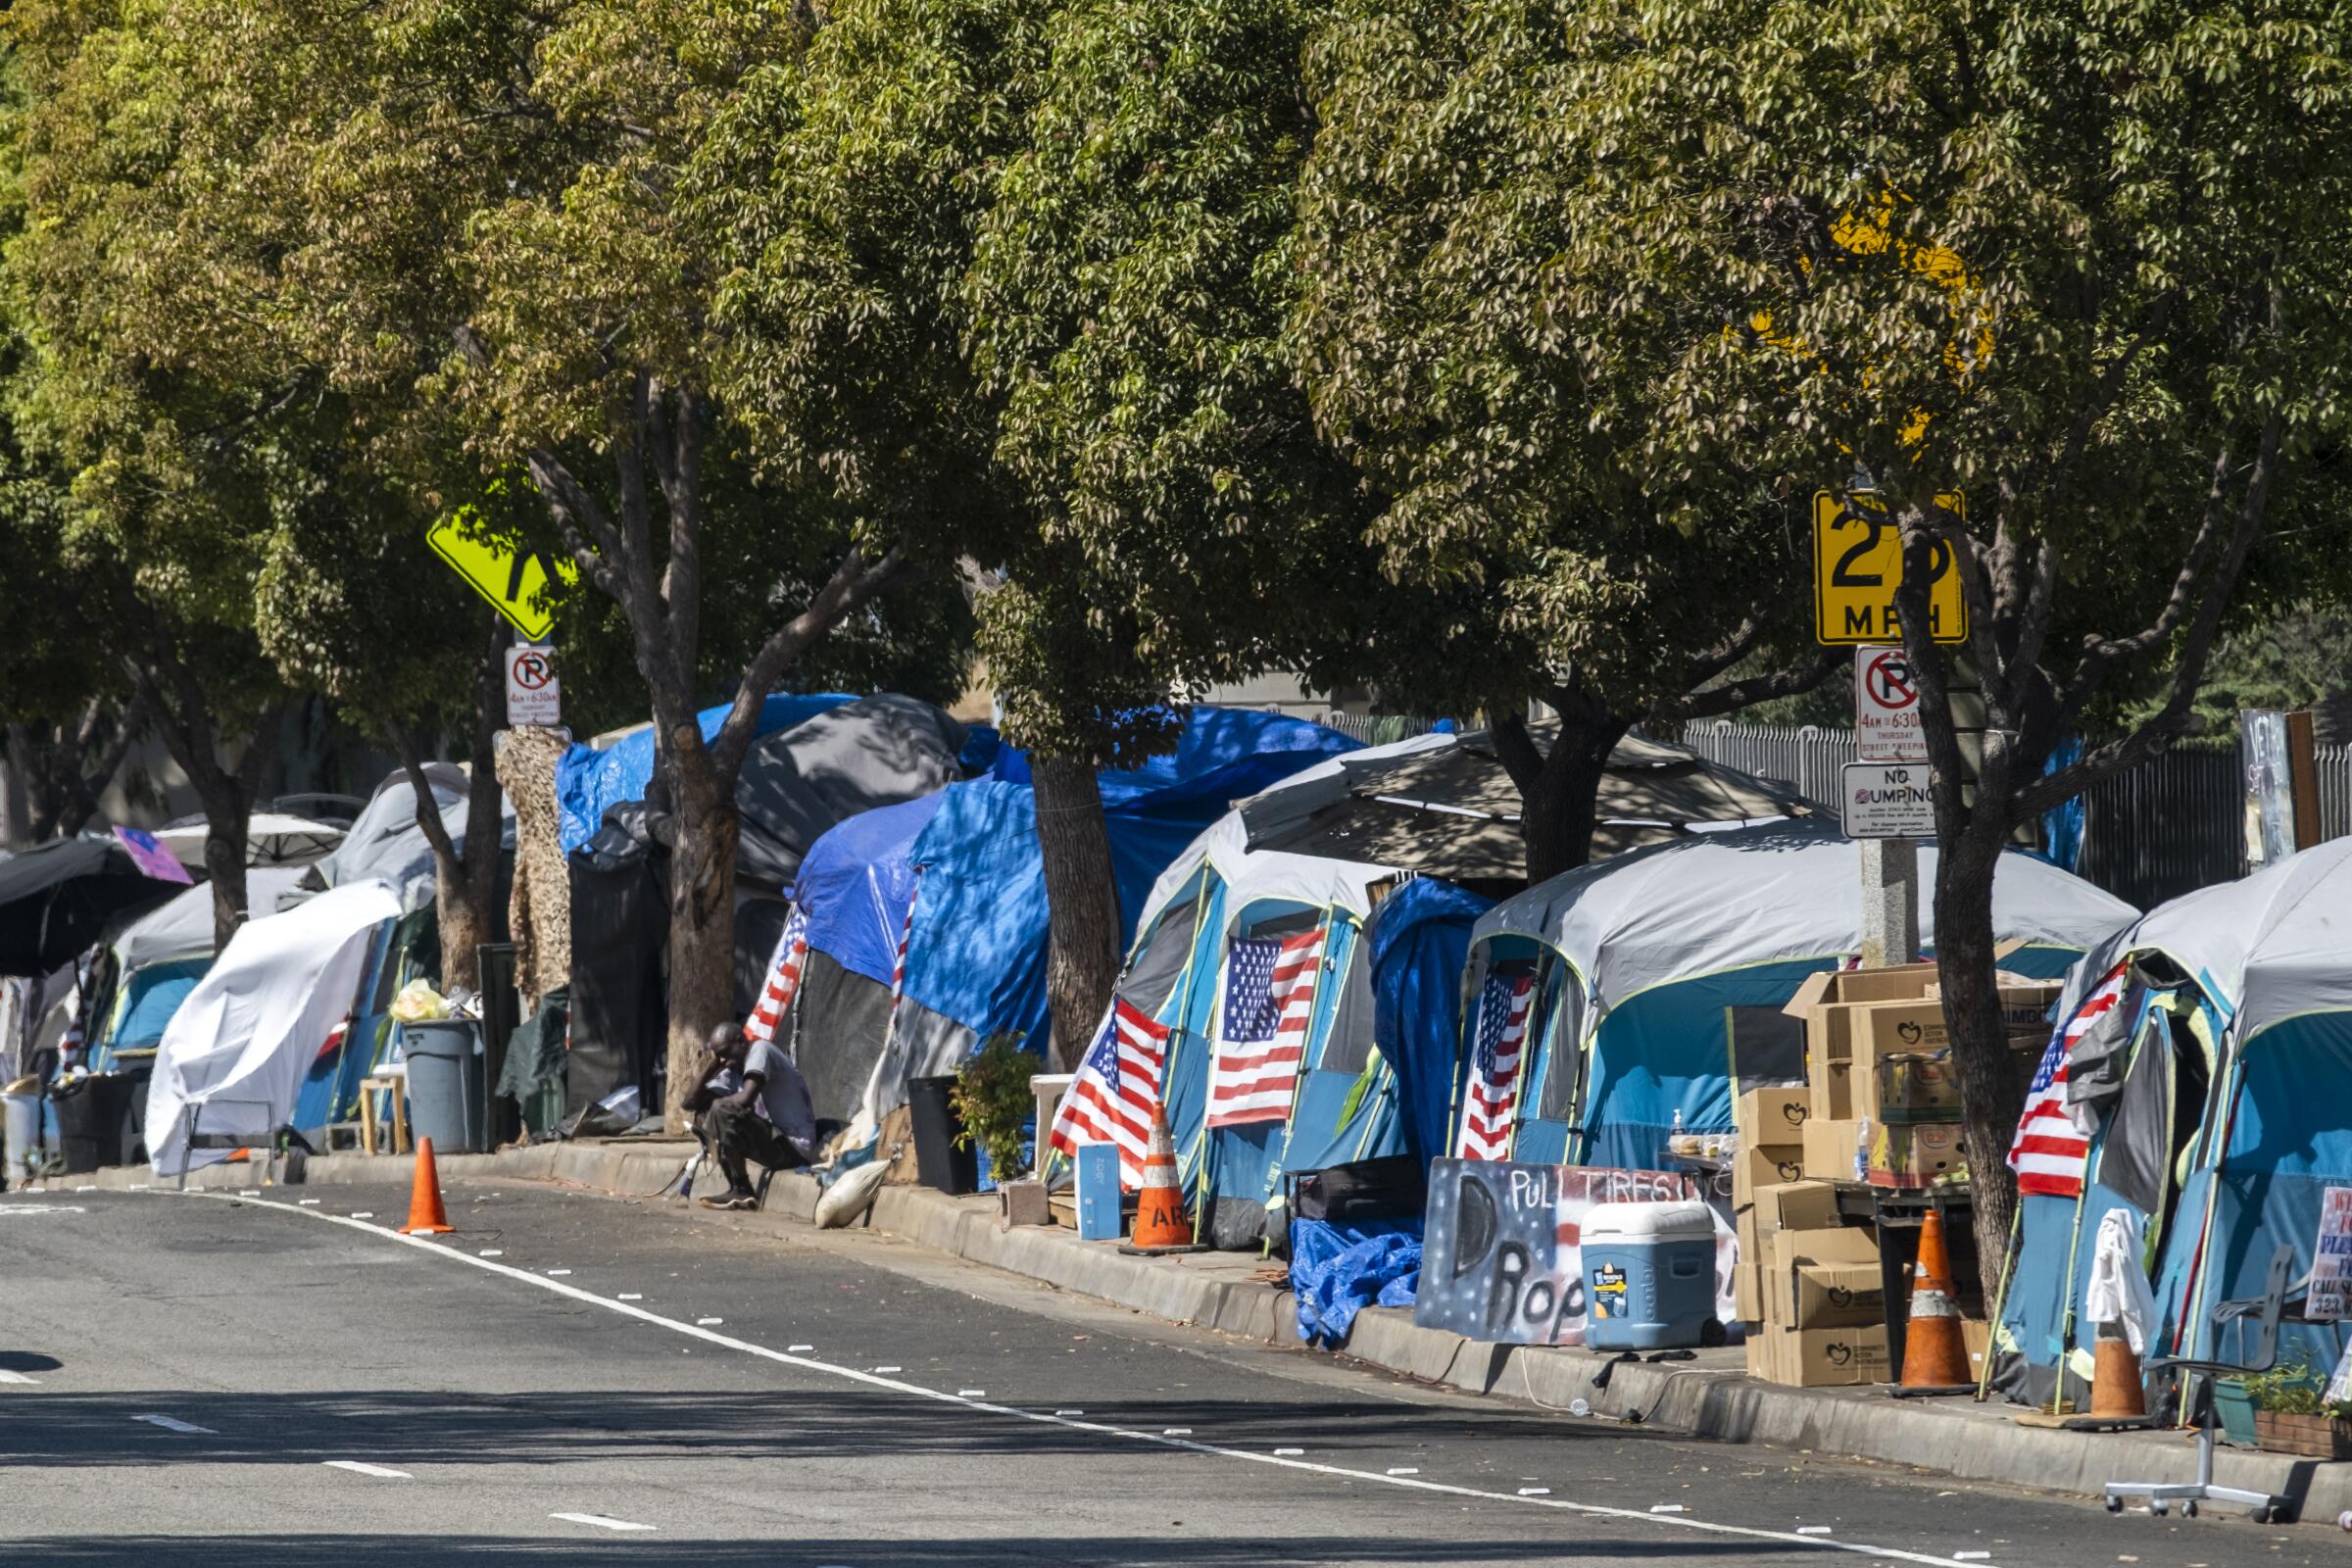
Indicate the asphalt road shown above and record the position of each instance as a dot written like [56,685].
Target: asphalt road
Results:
[184,1379]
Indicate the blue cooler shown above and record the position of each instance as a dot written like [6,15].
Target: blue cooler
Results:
[1649,1276]
[1099,1216]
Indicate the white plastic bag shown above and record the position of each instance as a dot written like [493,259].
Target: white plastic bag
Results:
[418,1003]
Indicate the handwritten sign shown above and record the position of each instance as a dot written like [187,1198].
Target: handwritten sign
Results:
[1501,1253]
[2332,1258]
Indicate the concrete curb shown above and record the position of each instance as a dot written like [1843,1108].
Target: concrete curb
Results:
[1215,1290]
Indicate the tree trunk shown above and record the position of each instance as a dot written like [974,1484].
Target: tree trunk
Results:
[702,915]
[1990,1093]
[1082,897]
[1559,789]
[226,809]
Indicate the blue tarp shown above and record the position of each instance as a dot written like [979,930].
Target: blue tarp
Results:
[1339,1270]
[588,782]
[978,950]
[855,883]
[150,997]
[1420,943]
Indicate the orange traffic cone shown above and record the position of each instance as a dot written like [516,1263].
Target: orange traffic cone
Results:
[1934,1355]
[426,1216]
[1159,1222]
[2117,1388]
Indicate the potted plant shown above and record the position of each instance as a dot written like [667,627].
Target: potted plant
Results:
[992,1102]
[2292,1414]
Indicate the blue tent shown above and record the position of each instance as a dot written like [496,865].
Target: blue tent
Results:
[1647,963]
[1379,1053]
[2218,1125]
[959,876]
[588,781]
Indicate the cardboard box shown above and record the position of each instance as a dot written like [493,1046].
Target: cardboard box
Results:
[1915,1155]
[1773,1116]
[1976,1334]
[1832,1088]
[1917,1085]
[1747,1287]
[1794,1207]
[1819,1358]
[1762,1364]
[2025,1003]
[1830,1149]
[1766,1166]
[1818,999]
[1825,1279]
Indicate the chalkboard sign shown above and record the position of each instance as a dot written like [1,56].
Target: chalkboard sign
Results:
[1501,1254]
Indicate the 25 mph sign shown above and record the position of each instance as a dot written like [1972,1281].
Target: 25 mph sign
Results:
[1886,708]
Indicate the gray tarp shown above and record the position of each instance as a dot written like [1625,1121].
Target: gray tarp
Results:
[386,844]
[799,782]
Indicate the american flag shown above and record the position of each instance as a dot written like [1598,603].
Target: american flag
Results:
[1269,1000]
[1118,1087]
[1493,1091]
[783,979]
[2052,1150]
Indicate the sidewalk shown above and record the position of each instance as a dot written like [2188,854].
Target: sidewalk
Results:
[1710,1397]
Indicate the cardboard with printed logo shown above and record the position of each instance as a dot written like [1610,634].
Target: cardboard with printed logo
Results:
[1825,1279]
[1916,1155]
[1764,1166]
[1773,1116]
[1829,1359]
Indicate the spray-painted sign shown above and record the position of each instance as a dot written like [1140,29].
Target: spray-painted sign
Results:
[1501,1253]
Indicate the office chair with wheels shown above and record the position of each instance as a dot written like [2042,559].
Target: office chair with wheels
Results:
[2264,1312]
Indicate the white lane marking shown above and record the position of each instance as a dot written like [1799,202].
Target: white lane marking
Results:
[1970,1556]
[1288,1453]
[795,1349]
[1175,1432]
[972,1393]
[601,1521]
[630,1296]
[1667,1507]
[878,1369]
[709,1322]
[1405,1470]
[306,1202]
[171,1423]
[91,1188]
[1535,1491]
[495,1253]
[851,1374]
[41,1208]
[6,1376]
[1812,1529]
[1062,1413]
[364,1213]
[360,1468]
[556,1273]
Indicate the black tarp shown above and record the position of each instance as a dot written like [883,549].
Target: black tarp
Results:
[759,927]
[799,782]
[839,1026]
[620,926]
[56,901]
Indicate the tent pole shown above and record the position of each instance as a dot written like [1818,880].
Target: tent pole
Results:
[2000,1300]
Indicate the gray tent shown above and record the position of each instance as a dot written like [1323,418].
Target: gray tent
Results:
[799,782]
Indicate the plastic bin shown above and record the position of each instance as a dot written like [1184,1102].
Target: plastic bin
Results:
[938,1162]
[19,1134]
[91,1116]
[1649,1276]
[448,1099]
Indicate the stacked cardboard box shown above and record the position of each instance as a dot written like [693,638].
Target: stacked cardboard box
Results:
[1771,1124]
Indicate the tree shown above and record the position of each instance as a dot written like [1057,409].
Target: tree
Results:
[162,475]
[1466,338]
[2078,264]
[472,226]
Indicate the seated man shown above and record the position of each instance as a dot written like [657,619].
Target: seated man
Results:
[769,1121]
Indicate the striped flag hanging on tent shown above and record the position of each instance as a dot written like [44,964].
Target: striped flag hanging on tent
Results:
[2052,1150]
[1269,1000]
[1493,1091]
[1118,1087]
[783,979]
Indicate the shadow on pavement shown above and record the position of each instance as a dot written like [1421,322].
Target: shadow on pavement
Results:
[650,1551]
[562,1428]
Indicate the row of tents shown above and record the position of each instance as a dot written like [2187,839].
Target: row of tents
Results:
[892,883]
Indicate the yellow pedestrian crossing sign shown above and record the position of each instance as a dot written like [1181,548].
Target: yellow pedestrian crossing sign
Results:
[520,585]
[1858,564]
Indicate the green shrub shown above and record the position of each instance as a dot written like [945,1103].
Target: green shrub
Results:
[992,1100]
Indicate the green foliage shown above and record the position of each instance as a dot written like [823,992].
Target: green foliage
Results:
[2294,1387]
[992,1101]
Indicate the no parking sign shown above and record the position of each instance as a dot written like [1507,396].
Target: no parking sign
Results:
[1886,708]
[533,695]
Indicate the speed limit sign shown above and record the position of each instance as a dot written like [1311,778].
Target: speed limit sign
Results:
[533,695]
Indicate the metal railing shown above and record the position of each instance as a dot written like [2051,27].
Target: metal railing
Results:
[2159,830]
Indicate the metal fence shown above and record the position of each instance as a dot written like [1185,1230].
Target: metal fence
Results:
[2155,832]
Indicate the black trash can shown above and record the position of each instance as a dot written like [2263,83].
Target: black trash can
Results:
[90,1114]
[938,1162]
[448,1101]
